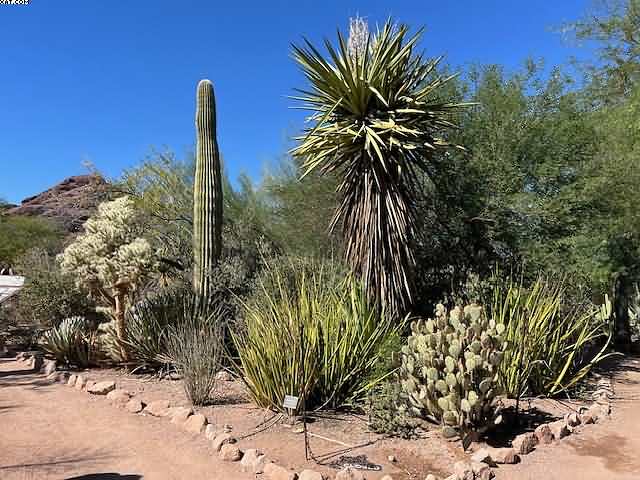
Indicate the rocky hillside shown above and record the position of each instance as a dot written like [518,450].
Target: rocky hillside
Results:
[68,203]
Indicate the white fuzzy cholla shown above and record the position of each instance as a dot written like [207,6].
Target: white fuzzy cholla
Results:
[109,250]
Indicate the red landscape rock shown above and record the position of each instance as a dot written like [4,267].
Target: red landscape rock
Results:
[525,443]
[102,388]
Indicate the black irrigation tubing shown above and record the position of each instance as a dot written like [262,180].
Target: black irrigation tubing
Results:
[321,459]
[266,424]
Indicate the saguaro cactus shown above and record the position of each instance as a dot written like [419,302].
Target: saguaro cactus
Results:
[207,191]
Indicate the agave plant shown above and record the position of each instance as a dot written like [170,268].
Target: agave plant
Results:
[71,342]
[378,120]
[148,322]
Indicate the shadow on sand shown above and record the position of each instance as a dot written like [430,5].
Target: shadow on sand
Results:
[105,476]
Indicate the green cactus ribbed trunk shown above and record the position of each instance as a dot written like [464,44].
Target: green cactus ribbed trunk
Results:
[207,192]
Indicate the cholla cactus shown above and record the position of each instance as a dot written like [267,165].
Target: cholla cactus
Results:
[109,250]
[109,259]
[449,367]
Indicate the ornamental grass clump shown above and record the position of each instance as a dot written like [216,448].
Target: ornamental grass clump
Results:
[195,346]
[552,345]
[449,370]
[310,335]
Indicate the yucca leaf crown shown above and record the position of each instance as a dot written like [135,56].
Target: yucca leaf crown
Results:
[378,118]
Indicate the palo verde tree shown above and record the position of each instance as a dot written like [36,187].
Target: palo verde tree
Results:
[614,26]
[612,236]
[18,234]
[379,118]
[110,260]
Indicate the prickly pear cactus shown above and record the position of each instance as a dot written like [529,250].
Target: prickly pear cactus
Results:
[450,365]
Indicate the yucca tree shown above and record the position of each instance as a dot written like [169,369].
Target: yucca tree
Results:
[378,119]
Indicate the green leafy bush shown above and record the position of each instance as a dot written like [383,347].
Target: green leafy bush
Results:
[388,413]
[195,346]
[72,342]
[49,296]
[552,345]
[450,367]
[310,335]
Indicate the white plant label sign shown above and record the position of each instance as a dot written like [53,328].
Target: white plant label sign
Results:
[290,402]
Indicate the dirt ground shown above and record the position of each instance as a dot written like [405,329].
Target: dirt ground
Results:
[52,432]
[609,450]
[56,432]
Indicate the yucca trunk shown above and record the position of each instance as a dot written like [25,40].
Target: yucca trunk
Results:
[119,314]
[207,192]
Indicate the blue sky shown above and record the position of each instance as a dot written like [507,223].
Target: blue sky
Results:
[106,81]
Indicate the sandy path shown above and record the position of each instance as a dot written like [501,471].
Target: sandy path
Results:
[609,450]
[54,432]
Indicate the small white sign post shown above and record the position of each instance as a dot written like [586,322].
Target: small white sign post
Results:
[290,402]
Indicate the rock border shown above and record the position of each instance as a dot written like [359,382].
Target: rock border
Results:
[223,443]
[477,467]
[544,434]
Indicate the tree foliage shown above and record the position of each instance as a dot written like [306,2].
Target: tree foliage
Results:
[49,295]
[18,234]
[161,188]
[530,141]
[301,210]
[614,26]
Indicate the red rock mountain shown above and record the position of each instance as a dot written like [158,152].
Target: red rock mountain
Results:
[69,203]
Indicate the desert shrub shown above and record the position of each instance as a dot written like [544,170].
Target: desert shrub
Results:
[49,296]
[449,370]
[552,345]
[310,335]
[72,342]
[147,325]
[388,412]
[195,346]
[389,356]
